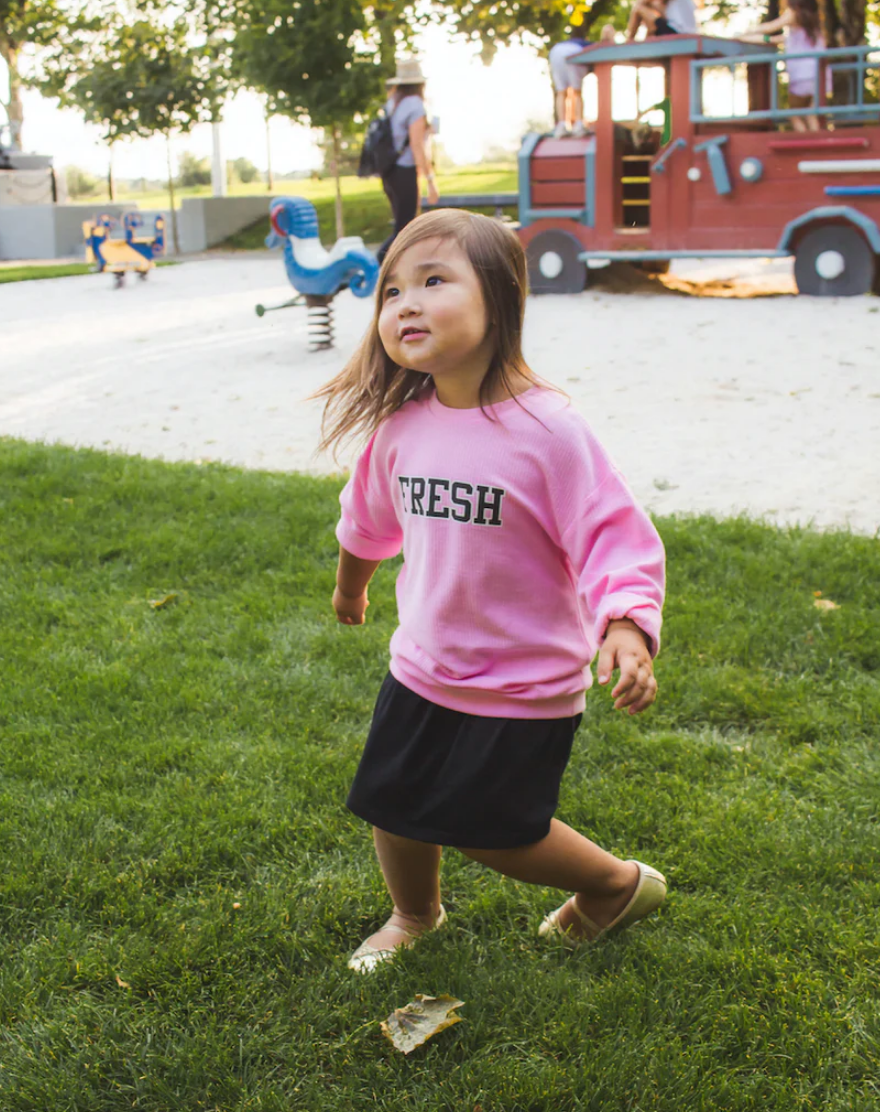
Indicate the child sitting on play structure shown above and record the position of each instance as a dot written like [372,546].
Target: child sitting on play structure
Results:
[800,24]
[662,17]
[525,552]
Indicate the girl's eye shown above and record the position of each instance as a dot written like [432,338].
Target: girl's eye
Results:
[433,278]
[390,291]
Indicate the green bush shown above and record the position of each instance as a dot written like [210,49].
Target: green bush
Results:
[193,171]
[80,183]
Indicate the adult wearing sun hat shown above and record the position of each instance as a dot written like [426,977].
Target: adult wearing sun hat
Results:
[410,129]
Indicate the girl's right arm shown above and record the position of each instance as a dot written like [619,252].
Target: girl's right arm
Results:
[368,531]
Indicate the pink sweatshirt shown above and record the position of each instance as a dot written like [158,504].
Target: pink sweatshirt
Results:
[521,542]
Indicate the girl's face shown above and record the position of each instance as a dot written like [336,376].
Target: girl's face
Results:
[433,318]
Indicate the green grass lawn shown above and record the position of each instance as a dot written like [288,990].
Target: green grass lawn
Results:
[366,208]
[367,213]
[35,271]
[40,270]
[181,882]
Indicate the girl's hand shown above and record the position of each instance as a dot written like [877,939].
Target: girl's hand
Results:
[625,648]
[350,611]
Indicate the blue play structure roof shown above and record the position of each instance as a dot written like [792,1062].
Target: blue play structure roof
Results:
[669,46]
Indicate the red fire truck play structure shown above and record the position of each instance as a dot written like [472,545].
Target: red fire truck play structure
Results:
[703,181]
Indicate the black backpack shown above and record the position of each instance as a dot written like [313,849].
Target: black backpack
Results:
[379,154]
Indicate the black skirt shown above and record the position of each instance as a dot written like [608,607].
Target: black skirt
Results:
[454,779]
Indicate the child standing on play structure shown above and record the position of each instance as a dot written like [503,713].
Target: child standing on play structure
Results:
[524,553]
[568,81]
[799,27]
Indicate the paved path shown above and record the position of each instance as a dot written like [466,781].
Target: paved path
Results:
[769,406]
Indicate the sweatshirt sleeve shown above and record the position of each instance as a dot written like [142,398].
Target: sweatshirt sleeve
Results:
[615,551]
[368,526]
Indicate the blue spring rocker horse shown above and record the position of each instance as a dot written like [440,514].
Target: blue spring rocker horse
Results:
[314,272]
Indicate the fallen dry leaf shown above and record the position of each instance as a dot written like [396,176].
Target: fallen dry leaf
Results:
[121,983]
[161,603]
[825,604]
[413,1024]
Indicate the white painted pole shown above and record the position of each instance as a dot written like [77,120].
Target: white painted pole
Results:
[218,163]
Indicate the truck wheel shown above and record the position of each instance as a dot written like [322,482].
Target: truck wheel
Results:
[554,266]
[834,260]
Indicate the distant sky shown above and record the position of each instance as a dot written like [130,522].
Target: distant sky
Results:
[478,107]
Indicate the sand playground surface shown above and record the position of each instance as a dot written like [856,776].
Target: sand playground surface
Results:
[714,390]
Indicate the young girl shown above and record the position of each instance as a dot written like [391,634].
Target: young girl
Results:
[524,553]
[801,26]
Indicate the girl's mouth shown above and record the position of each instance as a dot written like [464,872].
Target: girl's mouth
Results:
[412,334]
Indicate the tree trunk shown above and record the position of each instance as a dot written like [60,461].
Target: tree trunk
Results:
[830,22]
[174,244]
[852,19]
[334,169]
[270,180]
[14,108]
[772,11]
[111,183]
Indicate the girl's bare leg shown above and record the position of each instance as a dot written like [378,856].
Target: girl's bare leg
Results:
[412,876]
[602,883]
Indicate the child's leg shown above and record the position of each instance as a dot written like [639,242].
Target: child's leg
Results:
[643,12]
[803,123]
[412,876]
[565,859]
[560,105]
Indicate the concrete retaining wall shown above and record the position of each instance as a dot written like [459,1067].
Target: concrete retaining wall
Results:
[206,221]
[49,231]
[55,231]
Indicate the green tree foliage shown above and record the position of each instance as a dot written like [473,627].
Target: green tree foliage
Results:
[37,23]
[135,77]
[137,74]
[318,61]
[192,171]
[505,21]
[80,183]
[243,170]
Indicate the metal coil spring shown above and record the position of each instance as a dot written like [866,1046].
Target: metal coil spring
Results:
[320,323]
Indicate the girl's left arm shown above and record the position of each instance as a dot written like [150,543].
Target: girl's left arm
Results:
[619,560]
[772,26]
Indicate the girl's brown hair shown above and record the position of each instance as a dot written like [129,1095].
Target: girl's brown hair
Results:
[806,15]
[371,386]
